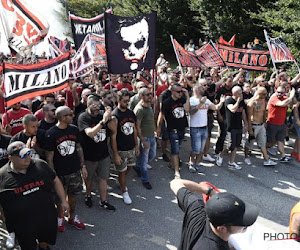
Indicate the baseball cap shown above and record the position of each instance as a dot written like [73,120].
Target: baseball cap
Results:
[17,148]
[226,208]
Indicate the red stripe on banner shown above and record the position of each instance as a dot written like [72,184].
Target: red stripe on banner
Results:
[246,67]
[262,52]
[82,19]
[31,15]
[34,94]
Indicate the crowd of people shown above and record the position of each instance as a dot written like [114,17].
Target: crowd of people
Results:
[104,120]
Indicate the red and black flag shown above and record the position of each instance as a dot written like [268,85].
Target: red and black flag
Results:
[248,59]
[230,43]
[98,50]
[130,43]
[27,81]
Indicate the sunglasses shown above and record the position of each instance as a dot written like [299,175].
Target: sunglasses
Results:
[279,92]
[125,76]
[53,110]
[179,91]
[24,155]
[148,94]
[95,105]
[204,85]
[126,101]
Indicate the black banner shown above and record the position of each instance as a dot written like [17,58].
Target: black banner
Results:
[130,43]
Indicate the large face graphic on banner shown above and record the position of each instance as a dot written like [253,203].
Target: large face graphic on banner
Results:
[136,42]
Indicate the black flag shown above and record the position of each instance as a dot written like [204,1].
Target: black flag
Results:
[130,43]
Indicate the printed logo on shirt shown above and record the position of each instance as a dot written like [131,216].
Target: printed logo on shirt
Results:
[127,128]
[100,136]
[16,123]
[66,148]
[29,188]
[178,112]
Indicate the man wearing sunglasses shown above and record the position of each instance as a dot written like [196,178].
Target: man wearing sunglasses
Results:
[26,197]
[276,128]
[123,84]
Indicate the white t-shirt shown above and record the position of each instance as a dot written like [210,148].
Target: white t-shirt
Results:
[199,119]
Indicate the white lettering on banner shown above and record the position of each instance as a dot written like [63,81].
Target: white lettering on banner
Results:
[18,82]
[81,29]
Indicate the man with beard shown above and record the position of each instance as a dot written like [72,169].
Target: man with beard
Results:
[12,120]
[123,84]
[124,140]
[92,125]
[49,117]
[276,128]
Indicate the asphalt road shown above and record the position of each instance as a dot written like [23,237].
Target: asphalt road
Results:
[153,220]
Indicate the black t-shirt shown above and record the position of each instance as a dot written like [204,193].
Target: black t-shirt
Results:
[247,96]
[234,120]
[125,129]
[63,143]
[45,125]
[223,91]
[4,142]
[174,113]
[21,136]
[94,149]
[36,105]
[196,230]
[164,95]
[210,93]
[78,110]
[27,198]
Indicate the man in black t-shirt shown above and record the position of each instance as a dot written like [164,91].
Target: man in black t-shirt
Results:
[235,115]
[49,117]
[92,125]
[26,197]
[173,111]
[221,115]
[124,140]
[209,226]
[64,154]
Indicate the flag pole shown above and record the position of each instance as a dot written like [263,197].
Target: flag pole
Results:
[176,54]
[271,54]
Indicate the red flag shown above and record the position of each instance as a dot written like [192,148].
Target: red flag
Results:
[230,43]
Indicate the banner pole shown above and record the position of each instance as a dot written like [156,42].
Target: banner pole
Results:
[297,66]
[154,88]
[269,46]
[176,54]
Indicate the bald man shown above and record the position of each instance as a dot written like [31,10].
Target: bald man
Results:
[64,154]
[256,108]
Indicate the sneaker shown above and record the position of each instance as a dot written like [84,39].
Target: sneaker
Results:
[177,176]
[285,159]
[165,158]
[60,224]
[109,188]
[294,155]
[76,223]
[192,169]
[88,201]
[234,165]
[149,167]
[270,163]
[200,168]
[107,206]
[219,160]
[208,158]
[272,151]
[147,185]
[10,241]
[248,161]
[126,198]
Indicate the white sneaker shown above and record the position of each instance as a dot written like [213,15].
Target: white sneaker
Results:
[177,176]
[83,188]
[233,164]
[149,167]
[248,161]
[270,163]
[10,241]
[219,161]
[126,198]
[208,158]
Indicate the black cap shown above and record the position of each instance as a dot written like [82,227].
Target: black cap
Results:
[227,209]
[17,148]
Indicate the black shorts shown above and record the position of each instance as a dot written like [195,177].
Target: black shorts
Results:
[210,123]
[43,230]
[234,138]
[275,132]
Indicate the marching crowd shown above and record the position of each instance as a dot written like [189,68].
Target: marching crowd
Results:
[104,120]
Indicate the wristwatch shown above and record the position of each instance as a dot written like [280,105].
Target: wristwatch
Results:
[102,123]
[209,191]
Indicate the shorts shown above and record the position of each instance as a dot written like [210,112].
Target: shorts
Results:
[176,137]
[101,168]
[72,183]
[128,158]
[210,123]
[164,132]
[234,138]
[198,139]
[296,127]
[260,136]
[275,132]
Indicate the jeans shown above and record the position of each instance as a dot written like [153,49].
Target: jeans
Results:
[198,139]
[176,137]
[145,156]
